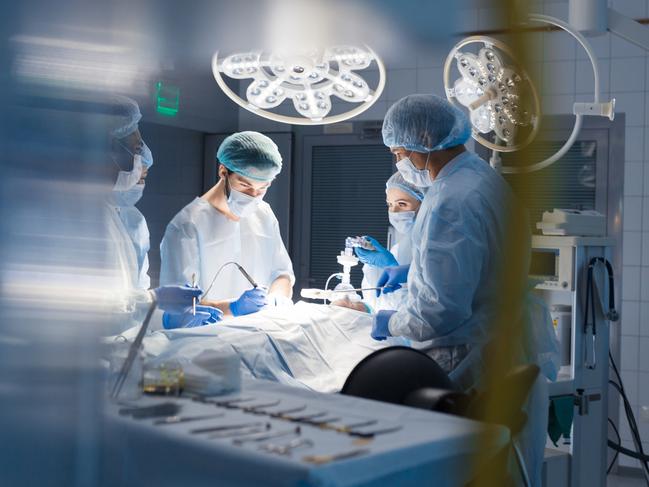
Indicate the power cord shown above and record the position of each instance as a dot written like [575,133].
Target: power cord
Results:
[639,453]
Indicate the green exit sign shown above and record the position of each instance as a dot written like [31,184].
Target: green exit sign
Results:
[167,99]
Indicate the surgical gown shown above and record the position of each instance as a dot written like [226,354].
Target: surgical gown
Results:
[200,240]
[138,231]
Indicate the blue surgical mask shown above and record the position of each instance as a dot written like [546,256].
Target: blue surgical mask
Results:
[242,204]
[418,177]
[402,221]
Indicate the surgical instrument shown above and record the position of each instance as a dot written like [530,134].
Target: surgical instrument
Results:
[314,293]
[299,419]
[133,350]
[348,427]
[194,299]
[186,419]
[282,413]
[278,434]
[319,422]
[254,408]
[288,447]
[241,269]
[211,429]
[144,412]
[372,434]
[322,459]
[239,432]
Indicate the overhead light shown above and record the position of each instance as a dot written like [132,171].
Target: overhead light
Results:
[306,78]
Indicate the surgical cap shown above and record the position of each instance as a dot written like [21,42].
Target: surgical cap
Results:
[425,123]
[397,181]
[250,154]
[125,114]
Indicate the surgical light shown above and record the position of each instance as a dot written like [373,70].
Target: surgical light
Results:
[307,77]
[497,92]
[501,99]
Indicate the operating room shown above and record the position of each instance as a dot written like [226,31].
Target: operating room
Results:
[324,243]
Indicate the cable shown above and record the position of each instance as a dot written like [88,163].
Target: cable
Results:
[339,275]
[618,444]
[241,269]
[639,454]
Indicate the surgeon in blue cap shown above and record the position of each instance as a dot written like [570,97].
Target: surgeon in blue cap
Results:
[232,223]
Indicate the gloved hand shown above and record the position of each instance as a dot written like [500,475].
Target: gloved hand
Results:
[175,299]
[381,257]
[380,329]
[249,302]
[205,315]
[392,278]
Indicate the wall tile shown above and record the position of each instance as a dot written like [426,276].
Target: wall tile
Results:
[559,45]
[644,319]
[630,380]
[643,388]
[644,283]
[633,178]
[643,364]
[631,282]
[632,213]
[633,105]
[559,77]
[632,249]
[629,358]
[636,9]
[630,318]
[628,74]
[430,80]
[622,48]
[601,46]
[645,248]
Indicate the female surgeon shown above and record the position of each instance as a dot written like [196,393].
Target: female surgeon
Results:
[232,224]
[403,200]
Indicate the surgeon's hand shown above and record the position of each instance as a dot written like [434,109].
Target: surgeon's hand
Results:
[380,257]
[205,315]
[250,302]
[175,299]
[392,278]
[380,328]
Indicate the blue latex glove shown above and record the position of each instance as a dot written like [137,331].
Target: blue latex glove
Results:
[249,302]
[380,329]
[392,278]
[175,299]
[205,315]
[380,257]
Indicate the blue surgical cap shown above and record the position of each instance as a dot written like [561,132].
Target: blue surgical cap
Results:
[126,116]
[250,154]
[425,123]
[397,181]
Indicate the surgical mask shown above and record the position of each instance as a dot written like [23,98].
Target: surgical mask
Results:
[402,221]
[418,177]
[240,203]
[128,179]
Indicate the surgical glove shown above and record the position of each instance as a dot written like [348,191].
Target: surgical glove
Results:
[380,328]
[392,278]
[250,301]
[175,299]
[205,315]
[380,257]
[279,300]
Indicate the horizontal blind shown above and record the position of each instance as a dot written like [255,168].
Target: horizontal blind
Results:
[347,199]
[568,183]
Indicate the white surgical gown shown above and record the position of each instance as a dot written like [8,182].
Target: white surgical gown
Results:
[138,231]
[402,251]
[200,239]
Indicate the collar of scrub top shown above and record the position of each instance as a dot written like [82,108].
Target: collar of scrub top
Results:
[452,165]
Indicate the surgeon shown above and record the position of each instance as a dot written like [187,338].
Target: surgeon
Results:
[459,241]
[403,201]
[132,160]
[232,224]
